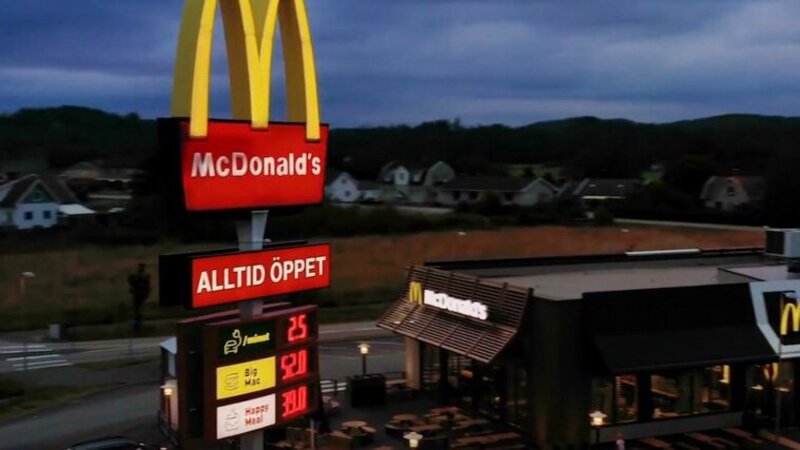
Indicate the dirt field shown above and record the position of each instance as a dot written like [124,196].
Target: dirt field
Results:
[92,281]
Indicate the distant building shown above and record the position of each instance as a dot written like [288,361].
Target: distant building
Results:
[600,189]
[510,191]
[341,187]
[733,192]
[407,183]
[34,201]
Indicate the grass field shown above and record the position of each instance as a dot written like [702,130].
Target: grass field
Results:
[88,285]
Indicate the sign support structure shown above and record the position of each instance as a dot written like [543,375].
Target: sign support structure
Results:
[251,237]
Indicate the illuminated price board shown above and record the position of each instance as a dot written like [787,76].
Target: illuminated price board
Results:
[271,360]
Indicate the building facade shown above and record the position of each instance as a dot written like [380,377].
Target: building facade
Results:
[658,343]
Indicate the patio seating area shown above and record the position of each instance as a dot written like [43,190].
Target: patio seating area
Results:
[385,428]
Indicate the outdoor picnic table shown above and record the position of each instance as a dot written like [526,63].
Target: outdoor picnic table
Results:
[405,418]
[354,424]
[425,429]
[445,409]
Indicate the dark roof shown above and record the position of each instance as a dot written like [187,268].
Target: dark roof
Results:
[62,194]
[331,175]
[754,186]
[364,185]
[54,186]
[18,188]
[601,187]
[488,183]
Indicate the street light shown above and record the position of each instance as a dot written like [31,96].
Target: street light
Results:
[363,348]
[168,397]
[413,439]
[23,276]
[598,419]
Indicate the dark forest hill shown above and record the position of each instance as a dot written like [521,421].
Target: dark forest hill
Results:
[69,134]
[585,146]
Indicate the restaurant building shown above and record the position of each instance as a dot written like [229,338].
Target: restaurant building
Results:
[659,342]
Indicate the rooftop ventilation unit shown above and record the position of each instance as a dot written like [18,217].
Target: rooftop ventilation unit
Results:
[783,242]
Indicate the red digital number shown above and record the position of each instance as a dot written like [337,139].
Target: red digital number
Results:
[298,328]
[294,365]
[295,401]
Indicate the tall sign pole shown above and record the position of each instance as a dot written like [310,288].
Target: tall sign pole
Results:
[245,166]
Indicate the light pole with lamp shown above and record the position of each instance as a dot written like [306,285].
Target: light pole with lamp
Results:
[168,406]
[363,348]
[413,439]
[22,285]
[598,420]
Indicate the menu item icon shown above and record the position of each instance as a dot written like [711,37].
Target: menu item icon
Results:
[232,382]
[232,420]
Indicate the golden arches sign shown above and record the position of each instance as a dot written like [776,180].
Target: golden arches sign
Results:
[790,310]
[415,292]
[249,31]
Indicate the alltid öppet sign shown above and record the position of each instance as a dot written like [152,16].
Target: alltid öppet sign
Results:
[238,167]
[220,279]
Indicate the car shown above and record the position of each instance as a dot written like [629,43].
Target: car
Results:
[112,443]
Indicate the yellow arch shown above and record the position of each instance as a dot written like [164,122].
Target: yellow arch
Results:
[249,34]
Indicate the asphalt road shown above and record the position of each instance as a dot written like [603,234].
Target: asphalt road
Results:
[129,406]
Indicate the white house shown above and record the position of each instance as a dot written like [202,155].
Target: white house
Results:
[406,183]
[341,187]
[35,201]
[730,193]
[510,191]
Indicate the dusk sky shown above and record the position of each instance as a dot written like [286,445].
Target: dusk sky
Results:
[386,62]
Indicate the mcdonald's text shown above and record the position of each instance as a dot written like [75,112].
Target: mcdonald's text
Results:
[238,167]
[230,278]
[444,301]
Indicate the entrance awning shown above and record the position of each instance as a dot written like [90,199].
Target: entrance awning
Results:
[676,349]
[481,340]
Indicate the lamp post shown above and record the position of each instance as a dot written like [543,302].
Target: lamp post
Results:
[597,421]
[22,285]
[168,398]
[413,439]
[363,348]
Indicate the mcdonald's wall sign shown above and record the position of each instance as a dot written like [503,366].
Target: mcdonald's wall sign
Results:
[247,162]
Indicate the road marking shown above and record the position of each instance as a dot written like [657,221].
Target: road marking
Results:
[21,368]
[30,350]
[21,358]
[44,357]
[330,387]
[350,330]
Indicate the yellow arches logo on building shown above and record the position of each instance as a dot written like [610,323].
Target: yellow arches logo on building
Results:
[249,31]
[790,310]
[415,292]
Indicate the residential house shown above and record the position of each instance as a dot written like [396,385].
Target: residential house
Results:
[408,183]
[727,193]
[34,201]
[596,190]
[510,191]
[341,187]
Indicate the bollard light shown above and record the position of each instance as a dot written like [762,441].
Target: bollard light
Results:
[598,419]
[413,439]
[363,348]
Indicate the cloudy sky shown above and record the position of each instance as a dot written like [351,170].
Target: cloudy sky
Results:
[384,62]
